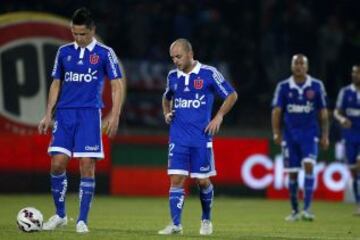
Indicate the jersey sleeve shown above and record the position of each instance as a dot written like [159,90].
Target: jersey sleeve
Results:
[112,66]
[221,86]
[58,69]
[168,94]
[278,99]
[340,103]
[322,97]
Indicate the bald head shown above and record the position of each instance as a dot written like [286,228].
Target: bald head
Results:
[183,43]
[299,65]
[182,54]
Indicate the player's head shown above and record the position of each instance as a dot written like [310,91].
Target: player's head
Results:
[82,27]
[299,65]
[182,54]
[355,74]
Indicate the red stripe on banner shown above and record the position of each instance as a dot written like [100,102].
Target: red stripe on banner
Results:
[137,181]
[29,153]
[34,29]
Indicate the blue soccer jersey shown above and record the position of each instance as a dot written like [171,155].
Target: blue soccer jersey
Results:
[348,102]
[300,104]
[193,96]
[82,72]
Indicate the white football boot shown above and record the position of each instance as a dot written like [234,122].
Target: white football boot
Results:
[293,217]
[171,229]
[55,222]
[307,216]
[81,227]
[206,227]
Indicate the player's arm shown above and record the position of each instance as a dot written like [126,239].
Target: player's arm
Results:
[52,99]
[324,124]
[167,109]
[214,125]
[111,122]
[341,118]
[276,115]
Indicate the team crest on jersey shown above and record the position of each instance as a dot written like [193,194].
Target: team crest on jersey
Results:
[94,59]
[310,94]
[198,83]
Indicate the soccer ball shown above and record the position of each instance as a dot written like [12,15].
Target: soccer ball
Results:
[29,219]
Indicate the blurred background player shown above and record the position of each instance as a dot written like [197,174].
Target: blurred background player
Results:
[298,103]
[75,98]
[347,113]
[187,107]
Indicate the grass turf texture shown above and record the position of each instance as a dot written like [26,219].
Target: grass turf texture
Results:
[141,218]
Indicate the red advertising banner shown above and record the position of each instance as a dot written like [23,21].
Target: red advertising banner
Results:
[29,153]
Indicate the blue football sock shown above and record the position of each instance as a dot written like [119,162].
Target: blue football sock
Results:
[206,198]
[293,191]
[58,189]
[308,191]
[86,194]
[176,202]
[356,183]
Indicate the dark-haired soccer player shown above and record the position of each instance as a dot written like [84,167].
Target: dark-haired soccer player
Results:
[187,106]
[299,105]
[347,113]
[75,98]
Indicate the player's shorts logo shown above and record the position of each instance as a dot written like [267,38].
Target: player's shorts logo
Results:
[198,83]
[94,59]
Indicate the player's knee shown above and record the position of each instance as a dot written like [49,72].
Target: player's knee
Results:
[203,183]
[57,167]
[177,180]
[87,168]
[308,167]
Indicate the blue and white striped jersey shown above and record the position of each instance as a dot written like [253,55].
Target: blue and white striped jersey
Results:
[300,104]
[348,101]
[82,72]
[193,96]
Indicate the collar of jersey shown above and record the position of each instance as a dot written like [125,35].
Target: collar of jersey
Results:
[89,47]
[195,70]
[353,88]
[301,89]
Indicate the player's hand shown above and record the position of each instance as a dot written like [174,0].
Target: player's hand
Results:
[169,116]
[214,125]
[346,123]
[110,124]
[44,125]
[277,138]
[324,142]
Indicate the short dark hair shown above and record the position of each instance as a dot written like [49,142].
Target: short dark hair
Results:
[82,16]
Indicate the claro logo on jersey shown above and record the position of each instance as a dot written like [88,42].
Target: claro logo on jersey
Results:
[28,45]
[80,77]
[189,103]
[298,108]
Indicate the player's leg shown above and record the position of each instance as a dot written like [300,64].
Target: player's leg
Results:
[178,170]
[58,190]
[206,199]
[292,163]
[88,148]
[86,191]
[309,152]
[202,166]
[353,161]
[60,150]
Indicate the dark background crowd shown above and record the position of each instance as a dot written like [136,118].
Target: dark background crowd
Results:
[250,41]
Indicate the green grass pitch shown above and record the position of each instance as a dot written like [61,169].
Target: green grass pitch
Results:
[141,218]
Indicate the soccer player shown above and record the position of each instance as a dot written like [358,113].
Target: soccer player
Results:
[299,118]
[75,99]
[347,113]
[187,106]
